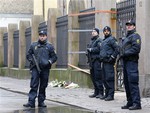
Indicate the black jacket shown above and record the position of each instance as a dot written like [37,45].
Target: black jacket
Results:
[131,46]
[95,44]
[44,54]
[109,49]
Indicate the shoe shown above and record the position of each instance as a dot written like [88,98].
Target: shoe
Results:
[28,105]
[109,98]
[103,97]
[99,96]
[42,105]
[92,96]
[125,107]
[135,107]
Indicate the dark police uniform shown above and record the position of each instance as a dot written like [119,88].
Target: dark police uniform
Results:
[45,56]
[108,54]
[131,46]
[95,66]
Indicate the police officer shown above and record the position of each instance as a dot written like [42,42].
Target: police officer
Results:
[93,50]
[108,54]
[45,56]
[131,46]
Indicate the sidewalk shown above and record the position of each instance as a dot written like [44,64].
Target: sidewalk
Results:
[78,97]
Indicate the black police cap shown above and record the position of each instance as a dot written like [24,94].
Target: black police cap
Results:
[42,33]
[130,22]
[97,30]
[107,28]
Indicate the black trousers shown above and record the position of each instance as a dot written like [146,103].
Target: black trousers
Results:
[108,78]
[96,77]
[131,82]
[38,85]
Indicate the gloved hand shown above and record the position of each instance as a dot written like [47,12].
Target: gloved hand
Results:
[89,49]
[111,59]
[50,62]
[44,63]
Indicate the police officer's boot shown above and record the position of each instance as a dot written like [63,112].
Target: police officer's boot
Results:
[94,95]
[126,106]
[135,107]
[105,95]
[109,98]
[28,105]
[42,105]
[129,104]
[100,95]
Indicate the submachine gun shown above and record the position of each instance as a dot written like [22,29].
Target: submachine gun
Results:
[35,63]
[89,57]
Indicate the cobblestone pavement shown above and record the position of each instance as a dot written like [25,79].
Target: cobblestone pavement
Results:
[77,97]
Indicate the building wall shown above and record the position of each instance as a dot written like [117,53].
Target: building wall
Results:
[38,7]
[104,19]
[16,6]
[12,11]
[62,5]
[41,7]
[6,19]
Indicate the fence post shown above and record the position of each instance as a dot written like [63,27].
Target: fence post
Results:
[22,45]
[53,13]
[36,20]
[11,29]
[2,31]
[73,37]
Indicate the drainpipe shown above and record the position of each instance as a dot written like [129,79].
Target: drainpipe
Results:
[43,8]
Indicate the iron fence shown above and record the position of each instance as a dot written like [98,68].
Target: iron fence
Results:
[43,26]
[86,22]
[16,48]
[126,10]
[28,43]
[62,41]
[5,40]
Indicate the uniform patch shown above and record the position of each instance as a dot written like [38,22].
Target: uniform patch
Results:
[138,41]
[35,47]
